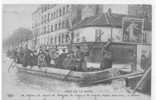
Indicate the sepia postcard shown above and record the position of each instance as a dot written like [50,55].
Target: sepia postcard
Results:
[76,51]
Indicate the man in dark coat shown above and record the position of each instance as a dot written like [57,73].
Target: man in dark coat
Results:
[79,58]
[27,57]
[143,62]
[42,59]
[62,58]
[47,57]
[20,55]
[106,60]
[14,55]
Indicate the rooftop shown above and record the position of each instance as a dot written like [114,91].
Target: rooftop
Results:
[104,20]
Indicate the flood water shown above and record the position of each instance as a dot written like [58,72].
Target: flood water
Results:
[17,83]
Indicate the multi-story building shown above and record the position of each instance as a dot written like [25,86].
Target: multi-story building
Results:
[52,23]
[143,11]
[100,28]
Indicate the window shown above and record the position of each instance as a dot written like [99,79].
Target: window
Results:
[45,19]
[98,36]
[48,17]
[57,13]
[51,28]
[51,41]
[59,25]
[55,26]
[144,37]
[63,38]
[63,24]
[68,8]
[60,13]
[51,16]
[55,39]
[59,37]
[67,37]
[48,28]
[54,15]
[67,24]
[64,10]
[44,30]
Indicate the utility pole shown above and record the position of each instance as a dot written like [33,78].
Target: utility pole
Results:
[109,15]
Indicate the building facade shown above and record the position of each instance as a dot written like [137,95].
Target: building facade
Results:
[103,27]
[143,11]
[52,23]
[59,25]
[97,29]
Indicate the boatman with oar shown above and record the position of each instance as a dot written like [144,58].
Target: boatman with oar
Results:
[106,61]
[14,59]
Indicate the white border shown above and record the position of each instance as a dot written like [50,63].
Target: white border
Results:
[94,2]
[79,1]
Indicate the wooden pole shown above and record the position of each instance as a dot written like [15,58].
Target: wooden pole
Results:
[141,80]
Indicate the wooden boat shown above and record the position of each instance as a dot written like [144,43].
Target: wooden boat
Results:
[65,74]
[91,77]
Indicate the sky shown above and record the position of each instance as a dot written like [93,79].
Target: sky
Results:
[15,16]
[20,15]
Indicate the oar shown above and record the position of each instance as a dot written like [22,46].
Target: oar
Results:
[11,65]
[67,75]
[141,80]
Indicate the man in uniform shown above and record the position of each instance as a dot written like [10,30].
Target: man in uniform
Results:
[106,61]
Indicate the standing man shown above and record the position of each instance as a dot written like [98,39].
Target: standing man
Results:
[106,61]
[27,56]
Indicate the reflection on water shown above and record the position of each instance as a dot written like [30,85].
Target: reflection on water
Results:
[24,80]
[45,83]
[18,83]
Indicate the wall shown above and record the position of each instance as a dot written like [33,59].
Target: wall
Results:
[90,34]
[148,37]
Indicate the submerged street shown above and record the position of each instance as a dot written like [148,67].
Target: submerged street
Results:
[25,84]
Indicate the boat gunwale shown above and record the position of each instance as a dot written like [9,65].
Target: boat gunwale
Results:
[86,72]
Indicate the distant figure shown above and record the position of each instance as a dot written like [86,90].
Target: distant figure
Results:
[143,62]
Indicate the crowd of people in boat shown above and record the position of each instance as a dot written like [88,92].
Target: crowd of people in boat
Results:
[48,57]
